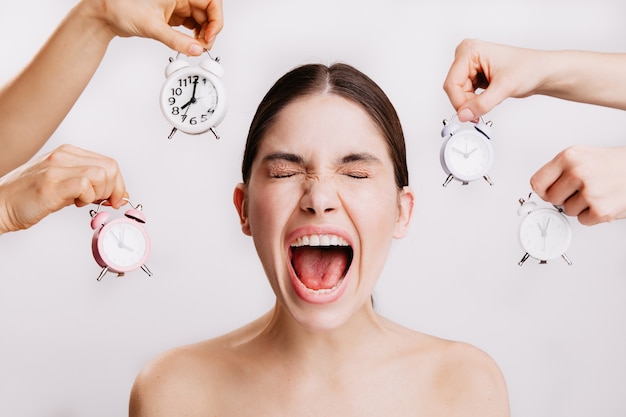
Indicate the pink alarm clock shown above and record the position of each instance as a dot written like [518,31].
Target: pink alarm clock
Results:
[120,245]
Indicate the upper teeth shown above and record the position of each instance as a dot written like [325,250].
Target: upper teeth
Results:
[319,240]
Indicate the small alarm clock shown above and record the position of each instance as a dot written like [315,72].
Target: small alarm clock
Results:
[467,153]
[193,98]
[544,232]
[120,245]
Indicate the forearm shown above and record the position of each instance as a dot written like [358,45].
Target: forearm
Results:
[34,103]
[588,77]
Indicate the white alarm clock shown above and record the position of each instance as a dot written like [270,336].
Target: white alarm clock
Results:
[120,245]
[193,98]
[544,232]
[467,153]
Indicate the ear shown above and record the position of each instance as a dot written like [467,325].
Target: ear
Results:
[239,198]
[406,200]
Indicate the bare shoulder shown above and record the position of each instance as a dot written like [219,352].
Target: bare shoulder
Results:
[468,381]
[471,364]
[448,378]
[185,380]
[173,375]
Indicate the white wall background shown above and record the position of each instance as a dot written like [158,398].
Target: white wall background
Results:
[71,346]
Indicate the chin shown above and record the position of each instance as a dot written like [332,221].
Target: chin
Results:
[322,318]
[325,311]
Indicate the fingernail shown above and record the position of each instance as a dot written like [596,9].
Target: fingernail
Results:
[194,49]
[466,115]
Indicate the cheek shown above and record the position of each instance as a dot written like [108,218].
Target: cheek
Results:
[374,207]
[267,210]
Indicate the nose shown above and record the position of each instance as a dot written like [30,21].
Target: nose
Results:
[320,196]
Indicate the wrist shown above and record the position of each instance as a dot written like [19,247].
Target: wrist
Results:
[89,15]
[557,78]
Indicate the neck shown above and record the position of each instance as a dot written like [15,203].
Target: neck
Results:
[327,348]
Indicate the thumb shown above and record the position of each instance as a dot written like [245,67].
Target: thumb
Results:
[176,40]
[481,104]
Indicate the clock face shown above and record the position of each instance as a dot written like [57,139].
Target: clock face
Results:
[545,234]
[193,100]
[122,244]
[468,155]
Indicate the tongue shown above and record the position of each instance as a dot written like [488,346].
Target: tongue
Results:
[319,268]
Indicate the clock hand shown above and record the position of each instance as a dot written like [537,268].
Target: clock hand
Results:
[184,115]
[119,242]
[465,154]
[195,85]
[193,96]
[123,246]
[544,227]
[543,230]
[187,104]
[468,153]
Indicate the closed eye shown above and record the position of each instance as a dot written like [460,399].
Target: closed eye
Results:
[359,165]
[359,175]
[283,165]
[282,174]
[283,171]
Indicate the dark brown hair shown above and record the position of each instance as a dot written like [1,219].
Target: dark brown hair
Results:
[342,80]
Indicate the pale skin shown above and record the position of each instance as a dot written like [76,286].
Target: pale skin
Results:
[588,181]
[56,77]
[326,171]
[68,175]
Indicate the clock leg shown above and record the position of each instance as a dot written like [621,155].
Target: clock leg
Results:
[214,133]
[564,256]
[172,133]
[486,177]
[103,272]
[521,262]
[146,270]
[447,181]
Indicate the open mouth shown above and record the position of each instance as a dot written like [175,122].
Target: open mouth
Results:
[321,261]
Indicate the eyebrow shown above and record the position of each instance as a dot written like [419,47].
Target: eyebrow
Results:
[296,159]
[359,157]
[290,157]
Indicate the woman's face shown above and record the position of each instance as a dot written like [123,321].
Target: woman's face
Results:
[322,207]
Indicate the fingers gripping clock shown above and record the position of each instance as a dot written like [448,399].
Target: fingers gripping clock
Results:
[544,232]
[466,154]
[193,98]
[120,245]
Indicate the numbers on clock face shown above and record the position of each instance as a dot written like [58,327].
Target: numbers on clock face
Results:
[468,156]
[192,100]
[124,244]
[545,234]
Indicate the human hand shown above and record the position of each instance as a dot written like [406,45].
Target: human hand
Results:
[155,18]
[589,182]
[502,71]
[68,175]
